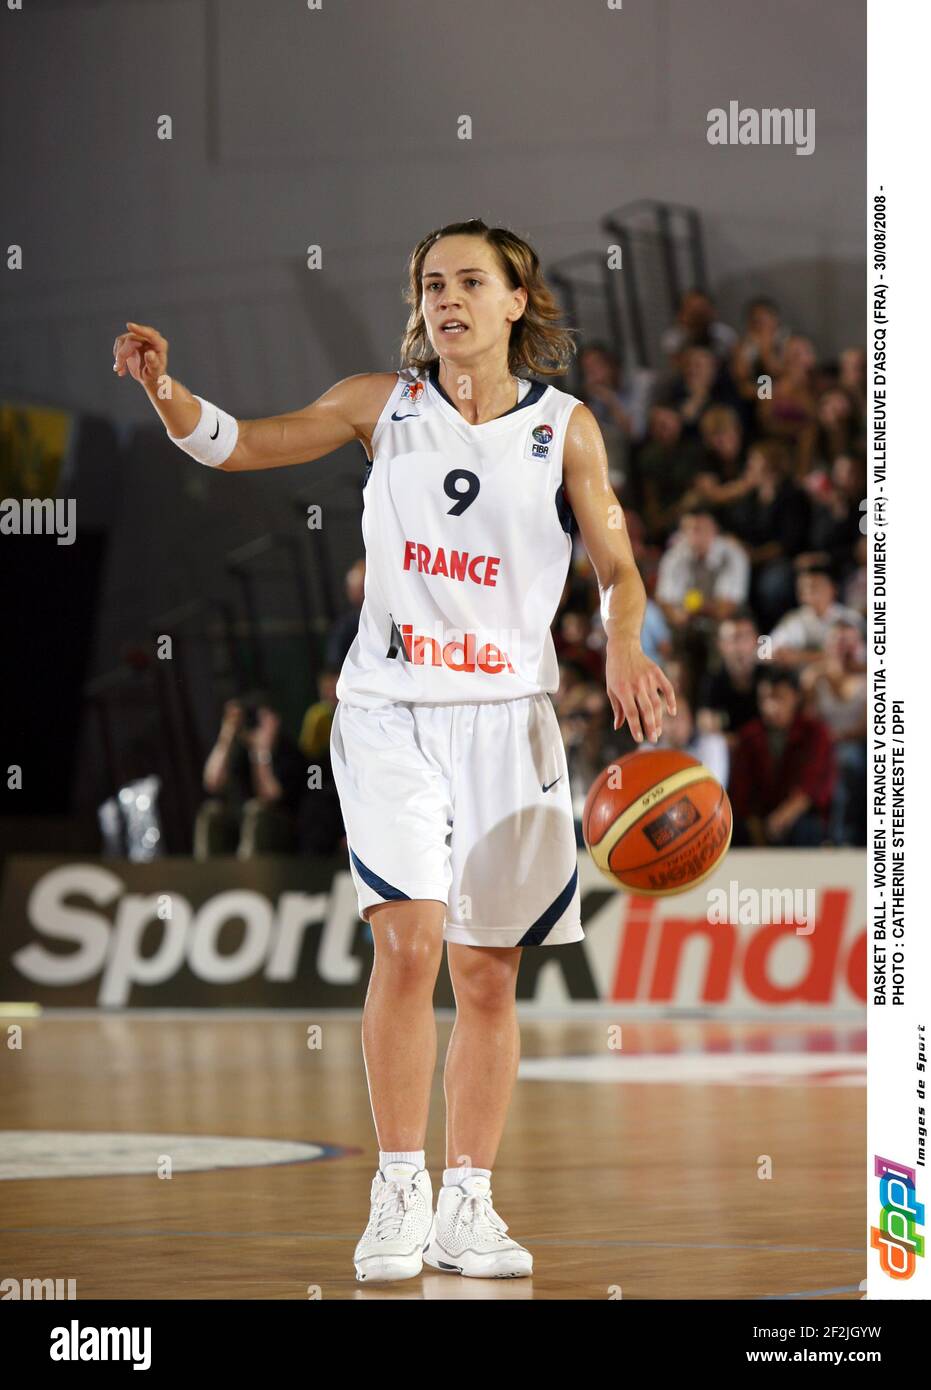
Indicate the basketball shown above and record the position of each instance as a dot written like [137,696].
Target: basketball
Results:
[657,822]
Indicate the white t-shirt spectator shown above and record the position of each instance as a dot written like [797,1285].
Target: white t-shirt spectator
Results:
[803,629]
[724,573]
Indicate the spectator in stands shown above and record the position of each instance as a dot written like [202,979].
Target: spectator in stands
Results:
[342,634]
[800,637]
[574,644]
[702,381]
[771,517]
[836,513]
[836,684]
[727,695]
[703,577]
[783,772]
[702,572]
[619,405]
[760,349]
[720,477]
[838,429]
[254,780]
[697,325]
[667,465]
[791,411]
[314,738]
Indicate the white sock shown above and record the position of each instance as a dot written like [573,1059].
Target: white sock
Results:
[453,1176]
[415,1156]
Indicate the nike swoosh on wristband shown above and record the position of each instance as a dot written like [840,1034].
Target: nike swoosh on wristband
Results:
[217,430]
[546,786]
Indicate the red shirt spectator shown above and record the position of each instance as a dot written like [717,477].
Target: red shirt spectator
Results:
[760,782]
[783,772]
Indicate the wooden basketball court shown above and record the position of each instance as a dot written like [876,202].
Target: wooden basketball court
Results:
[628,1172]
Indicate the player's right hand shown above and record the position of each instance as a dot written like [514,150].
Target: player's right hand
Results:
[142,352]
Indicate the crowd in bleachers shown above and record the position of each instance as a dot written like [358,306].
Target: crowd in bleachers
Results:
[741,468]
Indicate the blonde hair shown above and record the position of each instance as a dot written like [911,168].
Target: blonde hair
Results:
[539,344]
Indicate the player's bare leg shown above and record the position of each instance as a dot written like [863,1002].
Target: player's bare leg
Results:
[399,1045]
[483,1053]
[398,1024]
[469,1237]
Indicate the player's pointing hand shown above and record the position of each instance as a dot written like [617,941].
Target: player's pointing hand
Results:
[142,352]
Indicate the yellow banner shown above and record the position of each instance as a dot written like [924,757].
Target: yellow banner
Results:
[33,445]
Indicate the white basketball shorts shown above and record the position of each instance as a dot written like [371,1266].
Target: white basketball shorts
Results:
[468,804]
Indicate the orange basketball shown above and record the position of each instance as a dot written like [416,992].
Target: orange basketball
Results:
[657,822]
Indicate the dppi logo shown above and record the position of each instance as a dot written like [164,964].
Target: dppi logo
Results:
[895,1237]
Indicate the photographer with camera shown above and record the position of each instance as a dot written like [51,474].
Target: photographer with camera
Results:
[254,779]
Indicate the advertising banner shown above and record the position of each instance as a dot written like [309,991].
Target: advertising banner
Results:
[285,932]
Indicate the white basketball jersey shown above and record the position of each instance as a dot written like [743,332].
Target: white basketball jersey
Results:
[467,550]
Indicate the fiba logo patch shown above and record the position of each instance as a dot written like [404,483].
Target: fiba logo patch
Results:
[538,445]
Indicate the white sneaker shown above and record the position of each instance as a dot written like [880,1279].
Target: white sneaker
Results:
[470,1238]
[400,1222]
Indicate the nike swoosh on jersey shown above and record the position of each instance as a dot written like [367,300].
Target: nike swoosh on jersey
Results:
[415,416]
[547,785]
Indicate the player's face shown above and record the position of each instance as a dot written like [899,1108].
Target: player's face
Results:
[464,284]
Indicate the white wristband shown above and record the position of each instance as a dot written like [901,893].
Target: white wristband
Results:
[213,438]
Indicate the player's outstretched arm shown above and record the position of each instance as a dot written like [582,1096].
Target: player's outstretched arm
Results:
[347,411]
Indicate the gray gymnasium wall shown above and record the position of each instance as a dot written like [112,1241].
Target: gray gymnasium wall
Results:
[338,127]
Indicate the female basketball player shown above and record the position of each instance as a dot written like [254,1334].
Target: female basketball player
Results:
[445,746]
